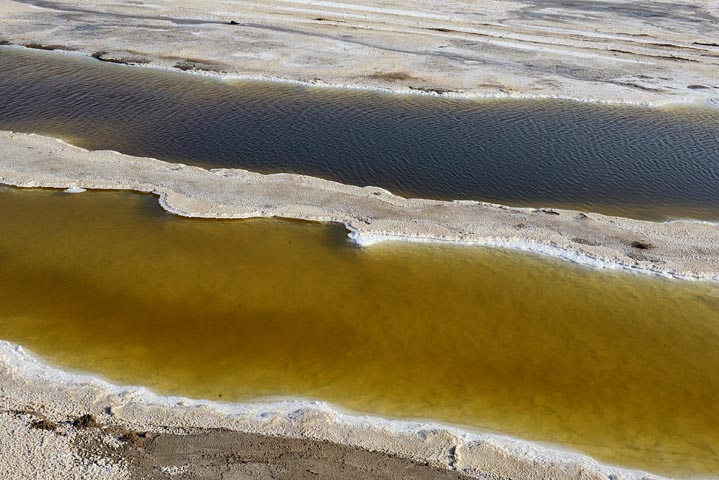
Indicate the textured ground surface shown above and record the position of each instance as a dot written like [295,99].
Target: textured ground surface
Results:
[70,449]
[637,51]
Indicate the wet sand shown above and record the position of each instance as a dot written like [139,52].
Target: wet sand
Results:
[111,451]
[211,453]
[681,249]
[640,52]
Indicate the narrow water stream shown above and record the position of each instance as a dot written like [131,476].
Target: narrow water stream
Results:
[636,162]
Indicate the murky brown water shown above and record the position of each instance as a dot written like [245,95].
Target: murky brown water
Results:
[619,366]
[635,162]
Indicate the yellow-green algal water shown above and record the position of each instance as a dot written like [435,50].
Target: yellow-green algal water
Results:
[622,367]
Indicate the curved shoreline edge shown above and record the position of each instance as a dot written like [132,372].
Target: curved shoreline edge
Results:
[31,384]
[647,53]
[687,100]
[686,250]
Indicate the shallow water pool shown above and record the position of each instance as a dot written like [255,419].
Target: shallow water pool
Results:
[619,366]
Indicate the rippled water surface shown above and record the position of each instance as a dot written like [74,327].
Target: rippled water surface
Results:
[619,366]
[636,162]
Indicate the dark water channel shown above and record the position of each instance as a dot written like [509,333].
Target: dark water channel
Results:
[638,162]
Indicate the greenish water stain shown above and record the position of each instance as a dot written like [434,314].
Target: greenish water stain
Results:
[621,367]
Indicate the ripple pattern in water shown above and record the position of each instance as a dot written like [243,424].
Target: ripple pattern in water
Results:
[631,161]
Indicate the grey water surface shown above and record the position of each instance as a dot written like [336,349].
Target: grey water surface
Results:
[632,161]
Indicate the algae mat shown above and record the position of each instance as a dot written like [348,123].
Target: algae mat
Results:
[618,366]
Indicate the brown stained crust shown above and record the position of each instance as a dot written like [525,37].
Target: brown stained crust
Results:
[38,420]
[120,58]
[391,76]
[85,421]
[39,46]
[190,65]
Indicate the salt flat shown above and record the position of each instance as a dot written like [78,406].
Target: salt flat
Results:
[642,52]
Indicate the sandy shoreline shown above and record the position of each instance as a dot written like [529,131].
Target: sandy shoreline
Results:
[33,392]
[647,53]
[678,249]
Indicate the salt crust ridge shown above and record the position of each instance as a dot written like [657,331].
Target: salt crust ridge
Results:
[400,90]
[539,248]
[679,249]
[257,416]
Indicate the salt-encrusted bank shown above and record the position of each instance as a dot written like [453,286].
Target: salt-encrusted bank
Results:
[688,250]
[639,52]
[31,389]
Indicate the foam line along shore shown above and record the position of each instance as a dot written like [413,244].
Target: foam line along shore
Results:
[33,387]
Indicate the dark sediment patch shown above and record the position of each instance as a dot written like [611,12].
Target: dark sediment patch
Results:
[211,453]
[39,46]
[547,211]
[85,421]
[584,241]
[197,65]
[43,424]
[123,60]
[391,76]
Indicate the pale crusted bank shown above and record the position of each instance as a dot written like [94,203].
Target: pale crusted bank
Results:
[642,52]
[680,249]
[53,396]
